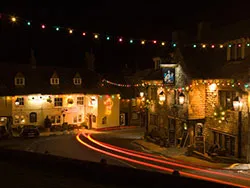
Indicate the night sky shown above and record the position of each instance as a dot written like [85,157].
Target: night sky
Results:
[136,19]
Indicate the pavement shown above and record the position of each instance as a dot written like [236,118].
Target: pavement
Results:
[179,155]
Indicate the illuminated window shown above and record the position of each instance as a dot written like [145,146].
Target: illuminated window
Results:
[17,120]
[54,81]
[80,100]
[77,81]
[79,118]
[58,102]
[75,119]
[226,99]
[19,101]
[33,117]
[19,81]
[55,119]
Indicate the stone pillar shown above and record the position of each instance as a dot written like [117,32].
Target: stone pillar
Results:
[235,51]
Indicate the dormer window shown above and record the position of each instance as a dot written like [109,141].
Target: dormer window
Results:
[19,79]
[77,80]
[54,80]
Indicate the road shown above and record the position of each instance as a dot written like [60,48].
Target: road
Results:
[110,145]
[64,145]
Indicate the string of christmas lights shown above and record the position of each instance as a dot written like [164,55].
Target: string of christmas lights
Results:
[221,83]
[118,39]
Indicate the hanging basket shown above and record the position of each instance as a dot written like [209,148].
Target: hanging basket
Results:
[70,101]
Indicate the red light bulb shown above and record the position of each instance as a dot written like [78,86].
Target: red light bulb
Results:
[154,41]
[120,39]
[43,26]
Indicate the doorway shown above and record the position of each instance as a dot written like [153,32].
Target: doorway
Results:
[90,121]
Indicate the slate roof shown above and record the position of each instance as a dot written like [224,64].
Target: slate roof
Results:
[38,80]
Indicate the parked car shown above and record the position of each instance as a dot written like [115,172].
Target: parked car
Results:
[3,132]
[30,131]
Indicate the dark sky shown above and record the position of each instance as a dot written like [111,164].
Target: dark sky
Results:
[136,19]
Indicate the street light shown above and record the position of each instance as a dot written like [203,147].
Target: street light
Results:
[237,104]
[181,98]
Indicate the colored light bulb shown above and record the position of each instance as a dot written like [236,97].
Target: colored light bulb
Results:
[131,41]
[108,38]
[143,42]
[120,39]
[13,19]
[212,46]
[174,45]
[57,28]
[163,43]
[83,33]
[204,46]
[70,31]
[96,36]
[43,26]
[154,41]
[28,23]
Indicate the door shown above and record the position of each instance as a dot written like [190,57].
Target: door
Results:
[90,121]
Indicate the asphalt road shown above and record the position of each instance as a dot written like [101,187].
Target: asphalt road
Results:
[64,145]
[68,146]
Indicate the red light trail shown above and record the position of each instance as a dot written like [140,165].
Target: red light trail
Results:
[155,159]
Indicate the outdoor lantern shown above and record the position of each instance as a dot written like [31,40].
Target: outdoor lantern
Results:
[181,98]
[237,104]
[212,87]
[162,97]
[141,94]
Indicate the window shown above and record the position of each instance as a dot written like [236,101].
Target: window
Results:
[153,93]
[226,99]
[33,117]
[58,102]
[75,119]
[19,81]
[80,100]
[55,119]
[54,81]
[104,120]
[94,119]
[19,119]
[19,101]
[80,118]
[77,81]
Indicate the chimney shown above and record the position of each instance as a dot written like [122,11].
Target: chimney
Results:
[199,31]
[32,59]
[90,60]
[157,62]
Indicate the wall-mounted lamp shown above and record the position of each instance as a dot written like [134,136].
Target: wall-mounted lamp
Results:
[162,97]
[17,102]
[212,87]
[181,98]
